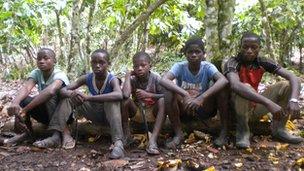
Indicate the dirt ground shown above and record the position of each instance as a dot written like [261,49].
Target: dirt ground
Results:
[196,153]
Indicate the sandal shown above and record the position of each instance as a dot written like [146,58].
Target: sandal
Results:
[47,143]
[69,143]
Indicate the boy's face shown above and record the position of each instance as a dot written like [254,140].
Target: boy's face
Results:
[250,48]
[194,54]
[141,67]
[45,61]
[99,63]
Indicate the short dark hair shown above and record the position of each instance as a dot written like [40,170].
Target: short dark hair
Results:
[142,55]
[196,41]
[251,34]
[104,52]
[50,51]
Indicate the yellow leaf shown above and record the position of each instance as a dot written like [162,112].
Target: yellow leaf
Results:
[249,150]
[212,168]
[290,126]
[300,162]
[265,118]
[280,146]
[191,139]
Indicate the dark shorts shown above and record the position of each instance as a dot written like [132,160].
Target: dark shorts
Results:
[43,112]
[201,114]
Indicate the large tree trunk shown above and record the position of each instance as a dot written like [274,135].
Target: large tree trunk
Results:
[211,23]
[218,22]
[267,29]
[74,39]
[130,29]
[225,17]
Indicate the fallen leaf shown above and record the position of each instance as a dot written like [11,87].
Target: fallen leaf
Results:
[300,162]
[238,164]
[265,118]
[202,136]
[91,139]
[114,164]
[280,146]
[211,168]
[290,126]
[173,164]
[248,150]
[138,165]
[210,155]
[191,139]
[213,150]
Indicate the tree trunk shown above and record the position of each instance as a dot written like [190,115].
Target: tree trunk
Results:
[211,33]
[218,21]
[88,35]
[62,56]
[301,58]
[267,29]
[1,57]
[130,29]
[74,39]
[225,17]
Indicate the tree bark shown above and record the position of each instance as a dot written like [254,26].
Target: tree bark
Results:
[62,56]
[301,58]
[130,29]
[225,17]
[88,34]
[218,22]
[74,39]
[211,33]
[267,29]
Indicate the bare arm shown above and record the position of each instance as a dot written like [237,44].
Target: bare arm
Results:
[44,95]
[242,90]
[292,107]
[126,89]
[293,80]
[24,91]
[115,95]
[166,81]
[14,108]
[69,89]
[220,83]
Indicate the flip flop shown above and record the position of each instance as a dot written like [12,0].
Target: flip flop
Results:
[47,143]
[153,150]
[69,144]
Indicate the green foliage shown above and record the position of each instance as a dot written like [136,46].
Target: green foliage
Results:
[166,61]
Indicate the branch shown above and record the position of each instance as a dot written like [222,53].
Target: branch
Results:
[130,29]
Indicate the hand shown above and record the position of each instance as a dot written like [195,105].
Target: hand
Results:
[293,109]
[13,109]
[20,124]
[129,72]
[78,97]
[276,110]
[142,94]
[193,106]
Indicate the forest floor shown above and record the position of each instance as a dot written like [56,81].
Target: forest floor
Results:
[196,153]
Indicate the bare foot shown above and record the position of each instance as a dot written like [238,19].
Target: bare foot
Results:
[175,143]
[16,139]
